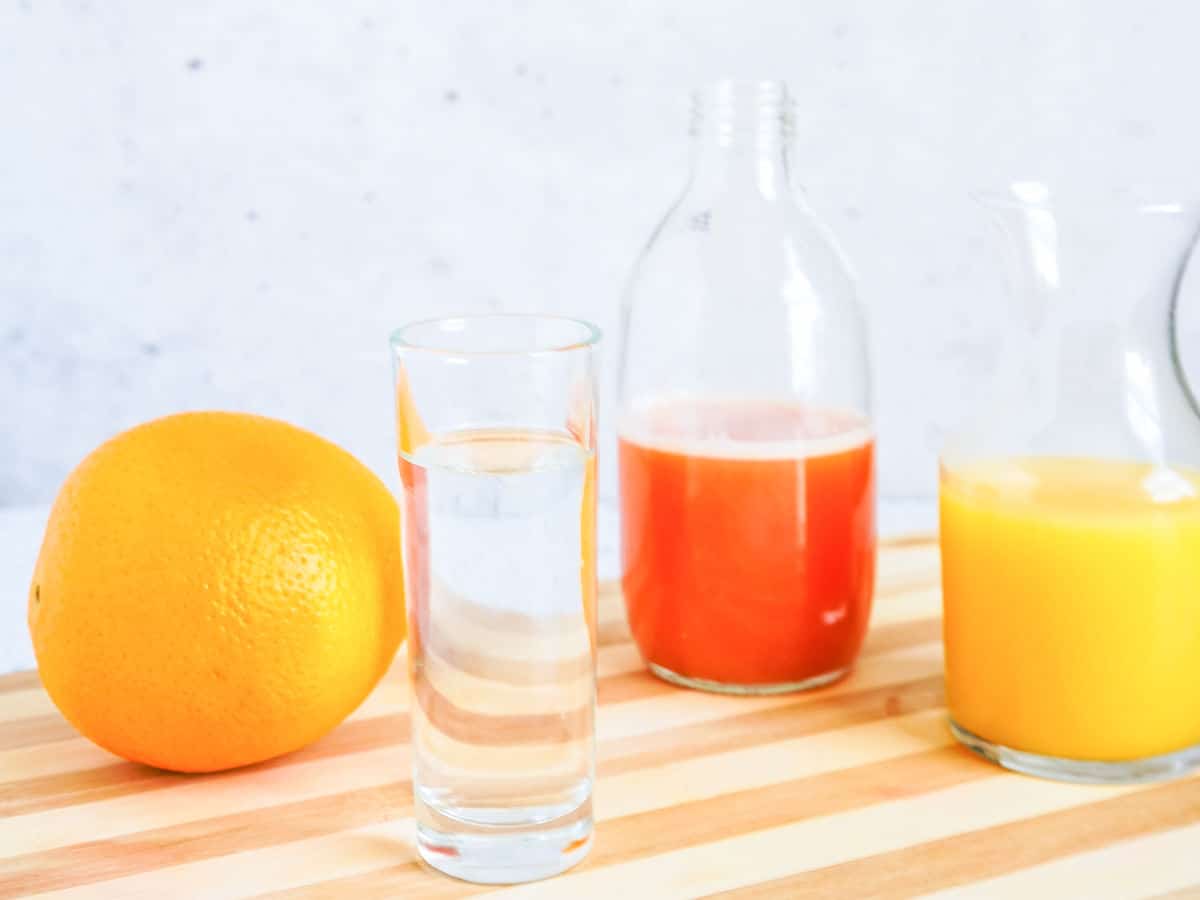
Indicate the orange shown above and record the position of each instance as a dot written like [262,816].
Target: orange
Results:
[215,589]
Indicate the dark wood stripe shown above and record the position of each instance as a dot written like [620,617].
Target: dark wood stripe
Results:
[207,838]
[124,778]
[465,725]
[896,586]
[638,685]
[358,735]
[641,685]
[614,631]
[19,681]
[898,636]
[1187,893]
[908,540]
[407,880]
[519,672]
[29,732]
[98,861]
[688,824]
[486,730]
[31,795]
[500,621]
[157,848]
[810,714]
[663,830]
[995,851]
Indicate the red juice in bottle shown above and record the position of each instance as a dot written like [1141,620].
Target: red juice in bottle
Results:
[748,540]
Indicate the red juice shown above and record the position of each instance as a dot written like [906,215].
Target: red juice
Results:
[748,540]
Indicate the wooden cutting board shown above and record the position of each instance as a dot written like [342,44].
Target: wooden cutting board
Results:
[856,790]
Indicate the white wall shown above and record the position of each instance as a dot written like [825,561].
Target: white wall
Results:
[229,204]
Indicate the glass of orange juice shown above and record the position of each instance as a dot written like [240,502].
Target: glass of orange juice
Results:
[1070,510]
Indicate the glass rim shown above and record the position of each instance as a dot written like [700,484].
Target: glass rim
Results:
[401,341]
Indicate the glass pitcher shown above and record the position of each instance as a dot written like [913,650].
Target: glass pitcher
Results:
[1070,507]
[746,453]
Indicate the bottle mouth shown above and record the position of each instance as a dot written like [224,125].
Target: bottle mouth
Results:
[732,107]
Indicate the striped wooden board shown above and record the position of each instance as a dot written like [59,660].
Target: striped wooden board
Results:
[856,790]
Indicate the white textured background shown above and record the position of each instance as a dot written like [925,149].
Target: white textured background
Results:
[229,204]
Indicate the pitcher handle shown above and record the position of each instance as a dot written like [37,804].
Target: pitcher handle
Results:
[1173,324]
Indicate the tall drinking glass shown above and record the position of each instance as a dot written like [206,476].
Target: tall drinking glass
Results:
[496,425]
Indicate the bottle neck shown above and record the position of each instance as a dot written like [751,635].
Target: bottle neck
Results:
[740,136]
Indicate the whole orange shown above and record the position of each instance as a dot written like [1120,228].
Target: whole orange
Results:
[215,589]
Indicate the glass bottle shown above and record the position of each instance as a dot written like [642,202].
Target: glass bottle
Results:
[746,452]
[1070,506]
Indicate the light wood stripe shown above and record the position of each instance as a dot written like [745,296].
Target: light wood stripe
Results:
[192,799]
[645,790]
[612,632]
[686,824]
[468,758]
[120,778]
[103,860]
[504,727]
[678,707]
[617,659]
[771,723]
[813,843]
[19,681]
[342,854]
[1118,814]
[894,636]
[906,605]
[657,833]
[693,778]
[889,631]
[35,731]
[902,633]
[71,753]
[263,870]
[1160,865]
[907,563]
[26,704]
[854,790]
[391,697]
[173,808]
[57,757]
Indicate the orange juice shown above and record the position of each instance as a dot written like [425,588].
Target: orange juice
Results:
[748,540]
[1072,606]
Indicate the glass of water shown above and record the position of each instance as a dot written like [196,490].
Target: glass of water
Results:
[496,426]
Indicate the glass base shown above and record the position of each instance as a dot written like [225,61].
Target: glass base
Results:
[748,690]
[503,854]
[1082,771]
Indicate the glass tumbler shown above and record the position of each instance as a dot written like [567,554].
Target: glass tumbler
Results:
[496,426]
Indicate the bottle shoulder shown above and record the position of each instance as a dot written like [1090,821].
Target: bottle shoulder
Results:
[701,248]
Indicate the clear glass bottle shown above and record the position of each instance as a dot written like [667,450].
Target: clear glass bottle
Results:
[1070,505]
[746,451]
